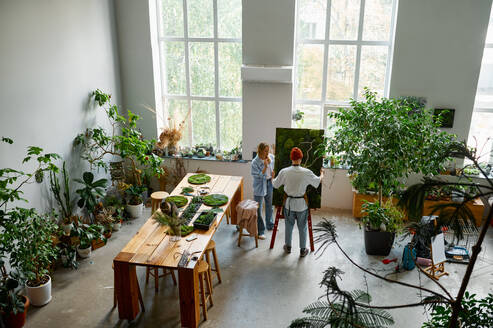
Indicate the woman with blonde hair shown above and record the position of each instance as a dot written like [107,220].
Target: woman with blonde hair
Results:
[263,172]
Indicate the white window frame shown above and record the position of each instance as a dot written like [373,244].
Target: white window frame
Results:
[188,97]
[323,103]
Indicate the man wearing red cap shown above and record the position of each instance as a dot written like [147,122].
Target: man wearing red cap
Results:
[295,180]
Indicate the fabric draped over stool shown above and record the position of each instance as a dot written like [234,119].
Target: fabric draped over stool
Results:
[246,212]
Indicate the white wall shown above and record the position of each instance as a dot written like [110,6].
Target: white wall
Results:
[437,54]
[268,39]
[136,62]
[52,55]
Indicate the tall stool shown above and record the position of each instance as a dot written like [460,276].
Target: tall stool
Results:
[211,248]
[154,271]
[204,278]
[156,199]
[115,296]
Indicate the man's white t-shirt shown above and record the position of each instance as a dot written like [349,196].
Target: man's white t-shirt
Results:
[295,180]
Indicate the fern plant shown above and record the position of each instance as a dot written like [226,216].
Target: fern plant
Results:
[342,308]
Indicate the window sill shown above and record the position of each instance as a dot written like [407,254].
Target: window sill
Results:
[208,158]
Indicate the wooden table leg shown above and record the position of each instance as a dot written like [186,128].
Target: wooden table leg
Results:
[189,297]
[126,289]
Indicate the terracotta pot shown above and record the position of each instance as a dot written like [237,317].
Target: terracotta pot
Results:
[18,320]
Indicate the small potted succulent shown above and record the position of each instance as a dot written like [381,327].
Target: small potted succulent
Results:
[134,200]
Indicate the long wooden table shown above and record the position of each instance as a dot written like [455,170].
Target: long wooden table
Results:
[151,246]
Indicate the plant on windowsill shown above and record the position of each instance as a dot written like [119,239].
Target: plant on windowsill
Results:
[383,141]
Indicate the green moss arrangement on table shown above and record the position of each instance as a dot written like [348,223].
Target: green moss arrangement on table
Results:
[215,200]
[308,141]
[186,190]
[204,220]
[199,178]
[179,201]
[186,230]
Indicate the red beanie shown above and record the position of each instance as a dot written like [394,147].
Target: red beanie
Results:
[296,154]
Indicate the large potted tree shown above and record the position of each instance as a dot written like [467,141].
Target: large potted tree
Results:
[383,141]
[32,251]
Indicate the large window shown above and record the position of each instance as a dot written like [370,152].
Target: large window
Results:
[200,49]
[342,46]
[481,132]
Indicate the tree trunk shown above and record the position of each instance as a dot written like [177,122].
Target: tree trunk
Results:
[380,196]
[476,249]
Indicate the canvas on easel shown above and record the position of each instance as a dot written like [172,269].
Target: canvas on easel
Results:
[437,267]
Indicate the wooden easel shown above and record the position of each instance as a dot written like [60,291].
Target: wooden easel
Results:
[280,215]
[436,270]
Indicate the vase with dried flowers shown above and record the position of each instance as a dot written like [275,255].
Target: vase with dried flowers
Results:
[171,135]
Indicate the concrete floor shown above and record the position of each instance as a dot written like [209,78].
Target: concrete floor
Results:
[260,288]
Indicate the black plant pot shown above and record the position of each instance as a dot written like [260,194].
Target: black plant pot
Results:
[378,242]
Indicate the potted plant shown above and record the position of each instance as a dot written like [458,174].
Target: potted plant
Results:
[64,200]
[68,256]
[90,192]
[87,233]
[13,306]
[32,251]
[380,226]
[134,200]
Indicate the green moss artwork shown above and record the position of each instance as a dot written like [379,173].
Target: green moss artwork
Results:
[199,178]
[215,200]
[308,141]
[179,201]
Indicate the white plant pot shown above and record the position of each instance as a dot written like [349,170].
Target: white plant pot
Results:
[67,228]
[41,295]
[84,252]
[135,211]
[117,226]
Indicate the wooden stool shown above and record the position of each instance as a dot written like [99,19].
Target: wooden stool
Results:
[204,277]
[156,199]
[211,247]
[115,297]
[155,274]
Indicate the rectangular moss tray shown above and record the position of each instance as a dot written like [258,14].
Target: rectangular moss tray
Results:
[202,226]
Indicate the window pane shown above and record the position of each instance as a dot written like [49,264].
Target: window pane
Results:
[378,16]
[178,113]
[174,62]
[231,126]
[172,18]
[202,68]
[344,19]
[200,18]
[311,19]
[204,122]
[310,66]
[484,93]
[340,72]
[481,135]
[372,70]
[230,69]
[311,116]
[229,18]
